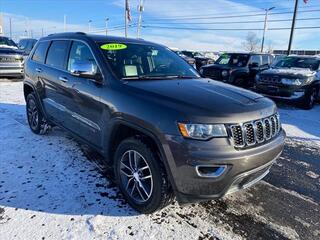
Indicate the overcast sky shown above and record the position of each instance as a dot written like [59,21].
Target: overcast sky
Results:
[184,24]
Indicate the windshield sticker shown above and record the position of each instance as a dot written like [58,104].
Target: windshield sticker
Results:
[113,46]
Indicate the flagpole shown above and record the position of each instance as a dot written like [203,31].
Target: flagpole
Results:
[125,18]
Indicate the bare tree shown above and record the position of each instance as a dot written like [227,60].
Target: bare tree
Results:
[251,43]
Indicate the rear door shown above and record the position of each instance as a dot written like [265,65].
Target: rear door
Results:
[85,93]
[55,96]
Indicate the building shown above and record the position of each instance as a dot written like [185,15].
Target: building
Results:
[298,52]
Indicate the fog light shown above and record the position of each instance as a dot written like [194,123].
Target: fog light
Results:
[211,171]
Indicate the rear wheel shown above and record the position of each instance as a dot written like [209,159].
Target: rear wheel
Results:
[141,176]
[36,120]
[310,98]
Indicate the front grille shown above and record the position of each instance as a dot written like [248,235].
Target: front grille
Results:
[269,79]
[212,73]
[255,132]
[9,59]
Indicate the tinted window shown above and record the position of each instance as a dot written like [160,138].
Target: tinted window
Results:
[265,59]
[146,62]
[23,44]
[57,54]
[40,53]
[80,53]
[299,62]
[239,60]
[255,59]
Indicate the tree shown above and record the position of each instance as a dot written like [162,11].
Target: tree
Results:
[252,42]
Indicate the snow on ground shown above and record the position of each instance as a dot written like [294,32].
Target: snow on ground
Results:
[48,188]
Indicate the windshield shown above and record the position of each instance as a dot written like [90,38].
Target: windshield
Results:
[239,60]
[299,62]
[7,42]
[142,61]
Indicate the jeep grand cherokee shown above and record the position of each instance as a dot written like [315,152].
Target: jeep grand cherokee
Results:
[165,130]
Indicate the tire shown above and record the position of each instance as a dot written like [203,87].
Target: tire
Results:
[309,98]
[36,120]
[144,194]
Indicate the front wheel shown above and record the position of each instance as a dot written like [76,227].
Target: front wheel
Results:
[310,98]
[141,176]
[36,120]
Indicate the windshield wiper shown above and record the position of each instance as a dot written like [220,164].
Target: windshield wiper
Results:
[144,77]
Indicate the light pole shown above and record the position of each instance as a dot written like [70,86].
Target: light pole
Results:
[293,26]
[140,9]
[89,25]
[265,26]
[107,19]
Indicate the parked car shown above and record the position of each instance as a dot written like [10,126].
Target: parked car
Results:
[294,78]
[189,60]
[163,129]
[26,45]
[201,60]
[238,69]
[11,59]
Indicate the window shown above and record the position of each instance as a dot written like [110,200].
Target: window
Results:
[255,59]
[239,60]
[40,53]
[80,53]
[57,54]
[265,59]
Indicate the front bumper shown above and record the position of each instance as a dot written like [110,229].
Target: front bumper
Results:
[244,167]
[11,70]
[282,91]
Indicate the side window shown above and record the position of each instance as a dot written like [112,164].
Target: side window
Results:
[57,54]
[40,53]
[255,59]
[265,59]
[80,54]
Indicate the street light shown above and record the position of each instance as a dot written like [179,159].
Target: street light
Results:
[265,25]
[89,25]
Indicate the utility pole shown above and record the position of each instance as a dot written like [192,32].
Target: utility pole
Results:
[10,21]
[265,26]
[140,9]
[107,19]
[64,23]
[126,18]
[293,26]
[89,25]
[42,32]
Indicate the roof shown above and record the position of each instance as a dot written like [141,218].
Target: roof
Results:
[94,37]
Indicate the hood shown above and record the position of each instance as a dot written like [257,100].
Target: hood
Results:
[289,72]
[204,99]
[5,50]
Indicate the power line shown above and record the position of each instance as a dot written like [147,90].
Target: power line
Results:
[229,29]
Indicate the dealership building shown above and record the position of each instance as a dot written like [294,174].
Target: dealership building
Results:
[298,52]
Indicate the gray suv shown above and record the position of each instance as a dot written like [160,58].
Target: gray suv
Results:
[163,129]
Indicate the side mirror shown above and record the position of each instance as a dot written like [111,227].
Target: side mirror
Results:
[85,69]
[254,65]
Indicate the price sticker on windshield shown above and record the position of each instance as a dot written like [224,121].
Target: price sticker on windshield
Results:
[113,46]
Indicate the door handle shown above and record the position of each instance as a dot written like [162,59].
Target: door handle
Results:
[39,70]
[63,79]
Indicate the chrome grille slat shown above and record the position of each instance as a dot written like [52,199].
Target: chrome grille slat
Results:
[256,132]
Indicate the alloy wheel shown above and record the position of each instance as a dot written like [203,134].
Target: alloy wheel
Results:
[33,115]
[136,176]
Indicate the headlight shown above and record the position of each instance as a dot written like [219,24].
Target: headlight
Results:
[202,131]
[288,81]
[224,73]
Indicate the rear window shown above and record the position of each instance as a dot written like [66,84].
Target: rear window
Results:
[40,52]
[57,54]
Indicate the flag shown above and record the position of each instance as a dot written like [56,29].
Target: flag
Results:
[305,1]
[128,11]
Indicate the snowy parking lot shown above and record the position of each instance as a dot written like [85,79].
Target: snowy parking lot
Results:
[51,189]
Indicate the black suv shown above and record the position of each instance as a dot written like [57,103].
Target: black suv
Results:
[201,60]
[238,69]
[294,78]
[157,123]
